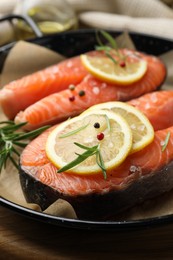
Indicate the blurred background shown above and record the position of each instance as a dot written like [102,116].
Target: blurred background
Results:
[153,17]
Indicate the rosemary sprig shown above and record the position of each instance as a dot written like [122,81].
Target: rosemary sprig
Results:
[11,139]
[73,132]
[165,143]
[100,162]
[94,150]
[107,49]
[81,157]
[110,39]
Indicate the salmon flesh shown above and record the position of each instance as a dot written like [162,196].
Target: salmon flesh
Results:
[143,175]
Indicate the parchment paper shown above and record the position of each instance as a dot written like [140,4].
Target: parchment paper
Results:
[25,58]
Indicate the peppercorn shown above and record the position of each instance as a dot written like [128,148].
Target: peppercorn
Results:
[100,136]
[72,98]
[97,125]
[81,93]
[71,87]
[122,64]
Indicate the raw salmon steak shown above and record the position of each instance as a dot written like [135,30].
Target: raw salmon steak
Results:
[19,94]
[143,175]
[35,87]
[90,91]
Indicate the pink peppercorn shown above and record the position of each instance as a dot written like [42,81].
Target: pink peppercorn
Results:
[100,136]
[72,98]
[122,64]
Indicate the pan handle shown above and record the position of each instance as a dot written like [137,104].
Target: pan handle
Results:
[26,19]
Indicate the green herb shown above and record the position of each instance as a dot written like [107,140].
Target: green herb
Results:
[103,48]
[81,157]
[11,139]
[108,123]
[94,150]
[99,40]
[73,132]
[109,49]
[166,141]
[111,58]
[110,39]
[100,163]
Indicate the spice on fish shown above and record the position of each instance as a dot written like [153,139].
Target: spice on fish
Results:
[72,98]
[81,93]
[71,87]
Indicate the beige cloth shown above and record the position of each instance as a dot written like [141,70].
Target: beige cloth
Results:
[150,16]
[134,8]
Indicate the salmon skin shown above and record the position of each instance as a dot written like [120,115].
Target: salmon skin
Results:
[19,94]
[62,105]
[143,175]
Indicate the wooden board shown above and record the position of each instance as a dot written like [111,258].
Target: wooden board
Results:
[23,238]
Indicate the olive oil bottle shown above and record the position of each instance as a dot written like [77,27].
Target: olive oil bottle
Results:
[51,16]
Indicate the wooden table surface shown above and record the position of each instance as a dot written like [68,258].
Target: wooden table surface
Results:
[24,238]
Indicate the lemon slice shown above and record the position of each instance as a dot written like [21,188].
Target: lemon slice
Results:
[113,148]
[105,69]
[142,130]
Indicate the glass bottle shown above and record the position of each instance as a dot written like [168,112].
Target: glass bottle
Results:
[51,16]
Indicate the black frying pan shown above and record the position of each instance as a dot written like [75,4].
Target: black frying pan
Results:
[69,44]
[76,42]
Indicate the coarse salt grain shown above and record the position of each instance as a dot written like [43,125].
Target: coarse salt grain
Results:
[69,64]
[154,98]
[96,90]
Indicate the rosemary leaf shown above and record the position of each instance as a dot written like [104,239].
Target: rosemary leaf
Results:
[3,161]
[103,48]
[86,147]
[78,160]
[108,49]
[31,134]
[10,140]
[94,150]
[166,141]
[110,39]
[99,40]
[20,144]
[111,58]
[73,132]
[8,122]
[12,127]
[100,163]
[15,151]
[13,162]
